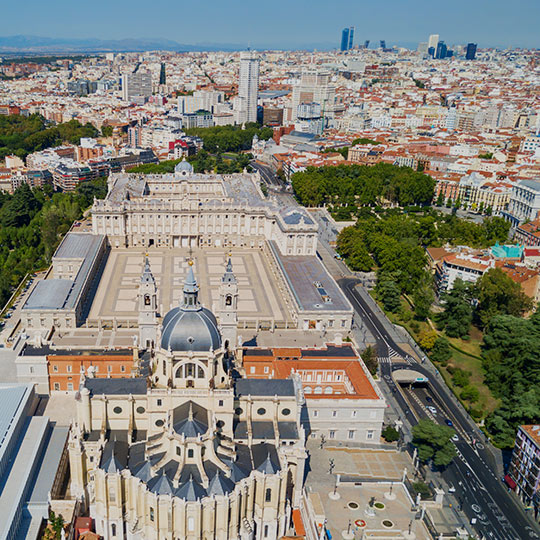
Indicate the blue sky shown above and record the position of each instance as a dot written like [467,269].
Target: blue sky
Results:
[280,23]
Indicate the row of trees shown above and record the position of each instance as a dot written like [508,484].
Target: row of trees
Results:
[352,186]
[32,222]
[495,293]
[394,243]
[511,359]
[221,139]
[202,162]
[22,135]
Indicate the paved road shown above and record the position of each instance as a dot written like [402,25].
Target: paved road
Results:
[502,517]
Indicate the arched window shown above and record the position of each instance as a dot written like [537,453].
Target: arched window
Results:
[268,495]
[228,300]
[113,529]
[318,390]
[146,299]
[200,373]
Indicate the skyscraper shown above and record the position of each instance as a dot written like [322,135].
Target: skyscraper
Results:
[471,51]
[344,39]
[248,86]
[441,50]
[433,41]
[351,37]
[366,44]
[137,86]
[383,44]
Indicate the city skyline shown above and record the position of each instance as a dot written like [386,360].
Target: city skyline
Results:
[395,21]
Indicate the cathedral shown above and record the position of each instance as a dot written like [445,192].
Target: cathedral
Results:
[189,451]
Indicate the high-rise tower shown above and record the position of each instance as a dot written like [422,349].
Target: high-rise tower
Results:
[248,87]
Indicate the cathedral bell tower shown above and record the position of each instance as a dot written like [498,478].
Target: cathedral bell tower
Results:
[228,307]
[148,323]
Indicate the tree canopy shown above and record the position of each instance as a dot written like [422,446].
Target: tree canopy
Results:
[32,222]
[360,185]
[512,365]
[230,138]
[456,319]
[434,442]
[22,135]
[497,293]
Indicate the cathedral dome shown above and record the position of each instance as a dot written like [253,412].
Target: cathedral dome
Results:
[190,327]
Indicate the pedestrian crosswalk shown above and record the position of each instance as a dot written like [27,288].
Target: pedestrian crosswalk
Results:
[392,355]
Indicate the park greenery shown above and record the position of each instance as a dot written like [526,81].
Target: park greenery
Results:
[221,139]
[22,135]
[347,188]
[434,442]
[202,162]
[32,223]
[392,243]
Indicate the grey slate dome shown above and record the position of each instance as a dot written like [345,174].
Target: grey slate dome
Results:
[190,327]
[184,168]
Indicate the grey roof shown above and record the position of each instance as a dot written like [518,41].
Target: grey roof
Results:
[220,485]
[75,246]
[268,466]
[144,472]
[190,419]
[287,430]
[121,386]
[264,387]
[161,485]
[263,430]
[61,293]
[183,166]
[114,456]
[531,184]
[294,217]
[265,458]
[49,294]
[191,491]
[190,330]
[240,430]
[13,398]
[304,273]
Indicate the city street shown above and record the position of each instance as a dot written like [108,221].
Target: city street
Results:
[499,516]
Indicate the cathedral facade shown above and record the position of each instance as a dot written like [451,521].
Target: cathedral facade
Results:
[190,451]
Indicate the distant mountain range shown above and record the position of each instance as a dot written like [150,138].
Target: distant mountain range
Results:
[45,45]
[37,44]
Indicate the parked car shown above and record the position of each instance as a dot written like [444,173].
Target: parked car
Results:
[432,410]
[429,399]
[448,422]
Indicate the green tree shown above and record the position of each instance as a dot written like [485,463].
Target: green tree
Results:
[441,351]
[423,297]
[461,378]
[369,356]
[390,434]
[498,294]
[470,393]
[456,318]
[434,442]
[389,294]
[106,131]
